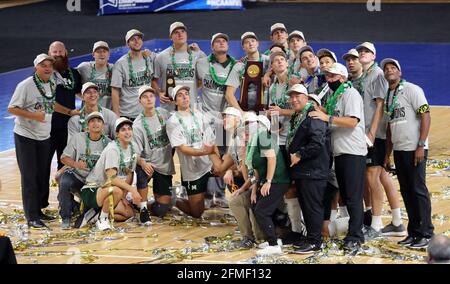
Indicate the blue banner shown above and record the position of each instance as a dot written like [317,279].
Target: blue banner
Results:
[135,6]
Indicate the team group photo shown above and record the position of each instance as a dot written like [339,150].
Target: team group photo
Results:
[265,132]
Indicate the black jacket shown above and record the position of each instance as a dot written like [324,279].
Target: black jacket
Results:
[312,140]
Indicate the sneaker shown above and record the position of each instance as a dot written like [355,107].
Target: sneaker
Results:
[396,231]
[88,217]
[351,246]
[367,217]
[420,243]
[103,224]
[65,225]
[266,244]
[45,217]
[208,203]
[144,217]
[37,224]
[247,243]
[306,248]
[406,241]
[371,234]
[269,250]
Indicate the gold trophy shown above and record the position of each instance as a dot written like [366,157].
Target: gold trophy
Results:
[170,83]
[252,76]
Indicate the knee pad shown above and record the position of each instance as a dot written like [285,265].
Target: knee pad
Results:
[159,209]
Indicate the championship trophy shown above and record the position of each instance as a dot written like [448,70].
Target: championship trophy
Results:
[252,77]
[170,83]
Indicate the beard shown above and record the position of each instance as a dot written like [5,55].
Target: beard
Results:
[61,63]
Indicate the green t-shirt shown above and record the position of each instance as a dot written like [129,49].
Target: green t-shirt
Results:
[259,161]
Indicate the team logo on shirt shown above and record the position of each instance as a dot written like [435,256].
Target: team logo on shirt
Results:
[183,71]
[142,78]
[398,113]
[209,83]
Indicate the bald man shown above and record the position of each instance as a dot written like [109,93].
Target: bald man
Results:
[68,84]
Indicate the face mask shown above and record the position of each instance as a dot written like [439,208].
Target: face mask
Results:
[334,85]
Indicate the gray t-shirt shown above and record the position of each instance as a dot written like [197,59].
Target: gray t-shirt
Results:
[109,159]
[347,140]
[194,133]
[76,149]
[213,94]
[102,78]
[27,97]
[237,75]
[404,121]
[77,123]
[143,75]
[183,75]
[155,146]
[278,96]
[374,87]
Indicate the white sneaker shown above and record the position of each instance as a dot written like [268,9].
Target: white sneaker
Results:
[103,224]
[266,244]
[269,250]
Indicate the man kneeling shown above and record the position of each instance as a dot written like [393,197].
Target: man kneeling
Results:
[113,174]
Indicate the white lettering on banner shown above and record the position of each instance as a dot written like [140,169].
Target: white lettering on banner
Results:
[373,5]
[224,3]
[123,3]
[73,5]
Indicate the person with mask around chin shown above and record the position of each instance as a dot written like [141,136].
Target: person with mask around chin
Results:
[344,112]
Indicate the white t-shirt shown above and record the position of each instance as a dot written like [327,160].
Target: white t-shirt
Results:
[102,78]
[193,131]
[347,140]
[27,97]
[143,70]
[404,121]
[76,150]
[155,149]
[184,74]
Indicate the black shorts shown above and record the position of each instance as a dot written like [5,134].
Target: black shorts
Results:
[161,183]
[375,155]
[197,186]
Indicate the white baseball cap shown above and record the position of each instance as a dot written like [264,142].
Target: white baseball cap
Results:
[298,88]
[296,33]
[95,114]
[248,35]
[277,26]
[264,121]
[144,89]
[277,53]
[232,111]
[99,44]
[326,52]
[131,33]
[122,120]
[305,48]
[250,116]
[219,35]
[41,57]
[315,98]
[176,89]
[352,52]
[88,85]
[367,45]
[338,68]
[176,25]
[390,60]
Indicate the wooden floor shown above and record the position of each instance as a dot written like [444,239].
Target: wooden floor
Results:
[177,239]
[13,3]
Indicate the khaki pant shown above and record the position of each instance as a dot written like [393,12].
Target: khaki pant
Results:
[241,209]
